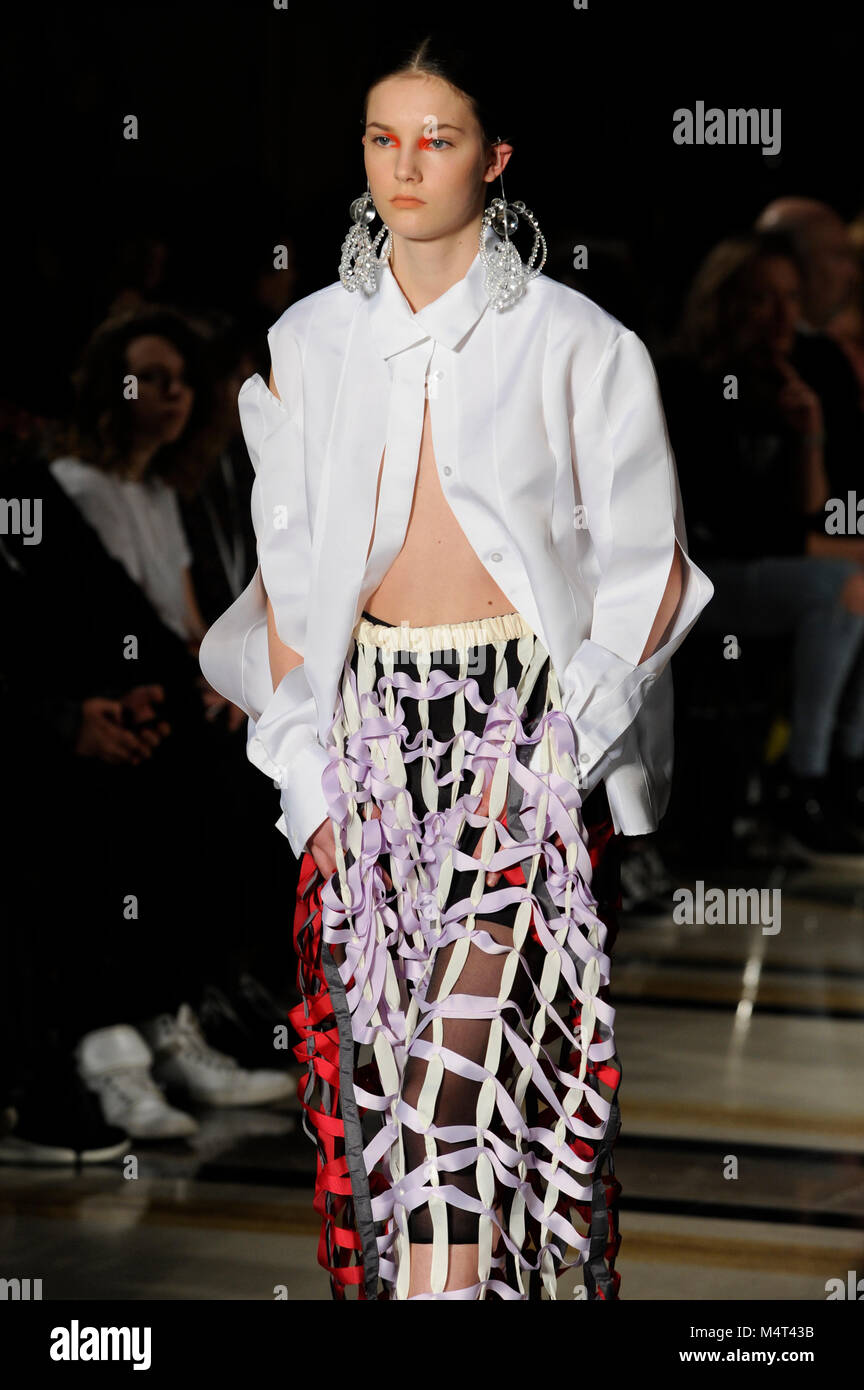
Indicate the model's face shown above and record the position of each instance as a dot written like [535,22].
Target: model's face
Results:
[165,398]
[425,157]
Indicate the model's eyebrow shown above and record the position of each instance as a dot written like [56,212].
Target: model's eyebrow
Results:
[439,125]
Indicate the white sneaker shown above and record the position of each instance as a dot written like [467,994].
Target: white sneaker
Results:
[185,1060]
[115,1063]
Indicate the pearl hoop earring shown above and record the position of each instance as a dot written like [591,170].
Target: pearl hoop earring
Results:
[506,274]
[360,264]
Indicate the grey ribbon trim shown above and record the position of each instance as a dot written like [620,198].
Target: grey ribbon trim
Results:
[597,1274]
[354,1144]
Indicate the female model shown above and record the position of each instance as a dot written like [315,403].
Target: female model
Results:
[472,569]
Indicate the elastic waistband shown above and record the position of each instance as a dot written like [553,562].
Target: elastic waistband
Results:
[440,637]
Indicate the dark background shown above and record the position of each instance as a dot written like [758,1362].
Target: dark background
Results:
[249,133]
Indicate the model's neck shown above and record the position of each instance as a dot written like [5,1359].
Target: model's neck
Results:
[424,270]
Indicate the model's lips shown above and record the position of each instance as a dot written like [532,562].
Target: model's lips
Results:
[410,202]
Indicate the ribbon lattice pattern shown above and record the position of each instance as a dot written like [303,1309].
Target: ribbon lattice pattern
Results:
[461,1079]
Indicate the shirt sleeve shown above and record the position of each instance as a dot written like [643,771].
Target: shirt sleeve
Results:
[282,734]
[627,484]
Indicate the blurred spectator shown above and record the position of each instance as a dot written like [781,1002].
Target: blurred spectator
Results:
[823,248]
[748,432]
[214,484]
[111,467]
[78,727]
[846,326]
[824,252]
[126,762]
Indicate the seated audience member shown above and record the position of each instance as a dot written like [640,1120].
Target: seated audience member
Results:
[748,435]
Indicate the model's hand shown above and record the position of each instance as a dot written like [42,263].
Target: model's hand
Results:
[322,847]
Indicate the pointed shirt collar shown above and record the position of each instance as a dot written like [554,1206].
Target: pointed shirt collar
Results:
[448,319]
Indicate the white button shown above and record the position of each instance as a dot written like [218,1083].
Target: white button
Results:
[439,375]
[447,469]
[584,757]
[496,555]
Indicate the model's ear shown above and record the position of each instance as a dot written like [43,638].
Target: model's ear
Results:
[504,151]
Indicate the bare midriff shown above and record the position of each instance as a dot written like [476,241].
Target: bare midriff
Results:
[437,576]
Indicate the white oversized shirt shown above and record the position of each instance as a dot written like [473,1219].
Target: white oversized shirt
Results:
[552,451]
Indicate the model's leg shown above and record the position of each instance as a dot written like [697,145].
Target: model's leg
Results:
[461,970]
[458,1059]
